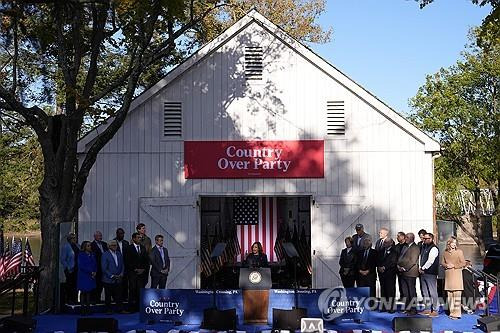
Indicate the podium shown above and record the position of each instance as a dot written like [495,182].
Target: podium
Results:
[255,283]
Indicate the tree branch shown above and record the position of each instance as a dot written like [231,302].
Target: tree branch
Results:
[98,26]
[34,116]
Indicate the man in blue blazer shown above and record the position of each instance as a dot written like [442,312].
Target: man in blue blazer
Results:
[112,275]
[160,264]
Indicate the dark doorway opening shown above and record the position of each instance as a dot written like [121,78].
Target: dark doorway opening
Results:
[240,221]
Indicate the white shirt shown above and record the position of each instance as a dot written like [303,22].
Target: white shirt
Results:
[433,253]
[162,254]
[113,253]
[137,248]
[120,245]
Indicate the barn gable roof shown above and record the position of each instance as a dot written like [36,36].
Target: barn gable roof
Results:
[253,16]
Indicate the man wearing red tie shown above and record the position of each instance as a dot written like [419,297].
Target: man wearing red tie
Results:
[160,264]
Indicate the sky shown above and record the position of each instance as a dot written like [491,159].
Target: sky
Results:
[389,46]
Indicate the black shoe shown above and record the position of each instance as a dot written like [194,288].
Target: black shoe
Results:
[391,311]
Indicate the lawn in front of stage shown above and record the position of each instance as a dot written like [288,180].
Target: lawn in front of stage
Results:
[379,321]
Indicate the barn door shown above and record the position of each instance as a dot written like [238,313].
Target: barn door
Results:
[333,219]
[177,220]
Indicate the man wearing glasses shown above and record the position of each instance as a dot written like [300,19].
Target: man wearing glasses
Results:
[428,263]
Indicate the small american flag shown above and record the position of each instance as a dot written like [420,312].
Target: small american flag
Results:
[28,254]
[264,211]
[2,257]
[16,255]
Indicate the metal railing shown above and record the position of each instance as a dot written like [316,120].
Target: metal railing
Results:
[29,275]
[495,279]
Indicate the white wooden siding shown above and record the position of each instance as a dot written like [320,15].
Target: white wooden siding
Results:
[376,160]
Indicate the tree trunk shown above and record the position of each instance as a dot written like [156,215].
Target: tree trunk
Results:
[49,254]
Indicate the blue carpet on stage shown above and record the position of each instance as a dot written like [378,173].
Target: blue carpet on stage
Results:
[378,322]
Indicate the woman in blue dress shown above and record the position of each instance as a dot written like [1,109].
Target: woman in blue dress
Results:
[87,268]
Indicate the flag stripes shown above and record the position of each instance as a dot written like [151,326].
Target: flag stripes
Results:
[265,231]
[13,267]
[28,254]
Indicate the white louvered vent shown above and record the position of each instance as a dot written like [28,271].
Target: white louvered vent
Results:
[172,119]
[335,118]
[253,62]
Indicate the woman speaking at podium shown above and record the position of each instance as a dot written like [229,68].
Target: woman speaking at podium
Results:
[257,258]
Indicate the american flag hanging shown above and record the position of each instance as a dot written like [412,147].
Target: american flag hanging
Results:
[256,220]
[246,210]
[14,265]
[2,257]
[28,254]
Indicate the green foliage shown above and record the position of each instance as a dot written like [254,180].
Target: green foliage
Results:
[459,106]
[297,18]
[87,60]
[20,175]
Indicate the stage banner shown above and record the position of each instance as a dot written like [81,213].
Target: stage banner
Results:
[333,305]
[254,159]
[186,305]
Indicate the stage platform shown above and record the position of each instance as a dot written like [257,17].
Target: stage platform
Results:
[379,322]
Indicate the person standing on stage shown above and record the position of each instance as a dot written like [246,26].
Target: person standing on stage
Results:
[136,266]
[160,264]
[257,258]
[120,240]
[408,267]
[112,274]
[69,261]
[386,268]
[122,246]
[366,266]
[470,294]
[400,239]
[358,238]
[87,270]
[98,248]
[383,233]
[421,235]
[428,263]
[453,263]
[145,240]
[347,264]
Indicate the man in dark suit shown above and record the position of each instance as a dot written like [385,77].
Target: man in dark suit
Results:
[121,247]
[136,265]
[408,268]
[386,268]
[160,264]
[400,243]
[358,238]
[120,240]
[383,234]
[421,235]
[366,264]
[98,248]
[347,264]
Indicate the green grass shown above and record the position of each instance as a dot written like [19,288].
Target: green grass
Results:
[6,303]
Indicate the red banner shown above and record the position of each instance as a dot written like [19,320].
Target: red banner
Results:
[254,159]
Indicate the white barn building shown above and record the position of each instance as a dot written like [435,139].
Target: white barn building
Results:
[255,83]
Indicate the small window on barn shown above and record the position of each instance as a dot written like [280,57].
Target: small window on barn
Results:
[253,62]
[172,119]
[335,118]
